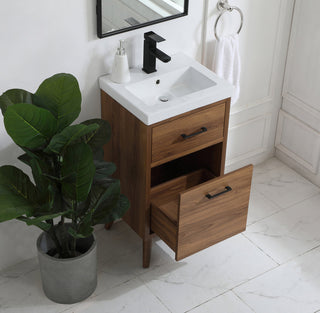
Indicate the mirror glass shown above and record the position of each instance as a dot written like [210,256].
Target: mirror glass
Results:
[117,16]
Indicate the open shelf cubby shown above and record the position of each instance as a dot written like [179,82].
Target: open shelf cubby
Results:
[208,158]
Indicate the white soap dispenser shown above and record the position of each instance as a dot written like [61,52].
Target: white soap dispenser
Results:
[120,69]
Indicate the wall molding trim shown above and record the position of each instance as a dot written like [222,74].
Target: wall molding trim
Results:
[302,111]
[265,122]
[311,165]
[307,107]
[295,99]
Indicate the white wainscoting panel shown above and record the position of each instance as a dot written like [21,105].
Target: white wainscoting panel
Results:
[302,79]
[301,91]
[248,139]
[298,141]
[301,111]
[298,133]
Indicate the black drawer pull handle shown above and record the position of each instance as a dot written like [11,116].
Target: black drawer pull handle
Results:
[227,189]
[203,130]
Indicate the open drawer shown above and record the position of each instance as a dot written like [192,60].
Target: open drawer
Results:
[195,211]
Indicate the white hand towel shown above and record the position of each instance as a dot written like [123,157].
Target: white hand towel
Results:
[226,62]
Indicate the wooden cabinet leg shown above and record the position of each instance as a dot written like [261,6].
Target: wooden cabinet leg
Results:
[108,226]
[147,243]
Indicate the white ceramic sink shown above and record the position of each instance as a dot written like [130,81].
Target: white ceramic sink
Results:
[177,87]
[170,86]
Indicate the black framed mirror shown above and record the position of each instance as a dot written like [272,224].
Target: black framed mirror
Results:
[118,16]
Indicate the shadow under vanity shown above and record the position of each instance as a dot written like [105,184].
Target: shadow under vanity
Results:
[172,172]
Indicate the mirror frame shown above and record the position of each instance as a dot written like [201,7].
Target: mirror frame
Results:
[126,29]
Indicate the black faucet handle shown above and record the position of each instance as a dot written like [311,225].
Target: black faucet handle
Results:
[153,37]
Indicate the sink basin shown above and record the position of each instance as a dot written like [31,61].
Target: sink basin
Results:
[170,86]
[177,87]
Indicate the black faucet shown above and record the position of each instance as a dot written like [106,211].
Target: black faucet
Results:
[151,52]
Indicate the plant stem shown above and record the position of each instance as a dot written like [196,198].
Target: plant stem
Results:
[73,242]
[55,239]
[74,246]
[66,253]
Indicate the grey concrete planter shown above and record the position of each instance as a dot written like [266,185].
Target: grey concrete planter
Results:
[68,280]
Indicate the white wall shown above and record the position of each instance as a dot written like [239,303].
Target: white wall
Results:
[263,48]
[40,38]
[298,135]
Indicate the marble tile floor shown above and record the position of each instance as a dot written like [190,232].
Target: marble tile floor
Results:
[273,267]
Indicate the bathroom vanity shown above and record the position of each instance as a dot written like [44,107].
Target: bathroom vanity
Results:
[170,157]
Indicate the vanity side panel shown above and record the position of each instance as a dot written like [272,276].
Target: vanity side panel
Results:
[222,162]
[106,114]
[130,149]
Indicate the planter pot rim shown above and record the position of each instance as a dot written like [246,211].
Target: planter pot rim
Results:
[68,259]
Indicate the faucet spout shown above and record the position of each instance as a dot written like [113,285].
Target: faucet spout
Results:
[151,52]
[161,56]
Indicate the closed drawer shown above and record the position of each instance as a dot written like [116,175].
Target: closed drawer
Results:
[188,134]
[195,211]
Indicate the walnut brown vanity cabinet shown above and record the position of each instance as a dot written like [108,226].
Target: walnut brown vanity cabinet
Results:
[173,174]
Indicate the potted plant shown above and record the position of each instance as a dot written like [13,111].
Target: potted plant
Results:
[72,189]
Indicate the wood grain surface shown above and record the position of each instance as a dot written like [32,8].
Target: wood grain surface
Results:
[168,144]
[204,222]
[130,150]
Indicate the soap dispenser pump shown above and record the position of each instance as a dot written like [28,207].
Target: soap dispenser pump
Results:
[120,69]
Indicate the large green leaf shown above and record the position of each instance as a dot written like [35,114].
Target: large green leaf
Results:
[115,212]
[118,211]
[29,126]
[40,166]
[104,192]
[85,228]
[17,194]
[100,136]
[77,163]
[98,154]
[14,96]
[69,135]
[42,225]
[103,198]
[40,221]
[82,233]
[103,170]
[25,159]
[60,94]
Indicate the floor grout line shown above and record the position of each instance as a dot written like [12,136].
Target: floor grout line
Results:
[257,276]
[219,295]
[243,301]
[291,205]
[263,218]
[265,253]
[272,269]
[302,254]
[279,209]
[287,261]
[154,294]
